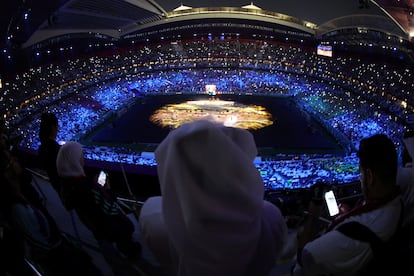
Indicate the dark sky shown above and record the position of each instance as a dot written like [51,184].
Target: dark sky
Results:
[317,11]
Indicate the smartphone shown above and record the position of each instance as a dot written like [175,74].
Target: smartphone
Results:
[102,178]
[331,203]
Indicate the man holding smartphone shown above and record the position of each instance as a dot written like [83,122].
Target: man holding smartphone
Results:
[333,252]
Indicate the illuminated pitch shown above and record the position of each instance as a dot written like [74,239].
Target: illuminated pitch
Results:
[228,113]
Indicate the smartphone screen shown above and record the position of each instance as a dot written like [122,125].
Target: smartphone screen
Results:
[331,203]
[102,178]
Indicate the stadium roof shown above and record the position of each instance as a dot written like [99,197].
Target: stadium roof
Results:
[117,18]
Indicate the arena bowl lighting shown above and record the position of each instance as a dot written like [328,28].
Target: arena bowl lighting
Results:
[228,113]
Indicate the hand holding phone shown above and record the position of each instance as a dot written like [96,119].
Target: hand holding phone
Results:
[331,203]
[102,178]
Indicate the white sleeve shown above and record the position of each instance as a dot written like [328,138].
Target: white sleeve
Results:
[334,254]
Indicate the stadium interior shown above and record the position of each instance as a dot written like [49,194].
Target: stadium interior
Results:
[327,73]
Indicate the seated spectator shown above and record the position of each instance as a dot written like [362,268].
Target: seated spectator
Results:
[333,252]
[405,177]
[48,248]
[49,148]
[96,208]
[211,218]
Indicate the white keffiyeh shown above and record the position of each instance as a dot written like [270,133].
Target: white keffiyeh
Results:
[69,161]
[212,201]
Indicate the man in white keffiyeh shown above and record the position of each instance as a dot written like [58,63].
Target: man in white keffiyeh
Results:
[211,218]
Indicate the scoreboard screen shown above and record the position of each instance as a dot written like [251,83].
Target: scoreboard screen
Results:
[324,50]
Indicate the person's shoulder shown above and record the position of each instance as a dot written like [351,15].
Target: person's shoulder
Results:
[53,144]
[329,251]
[48,145]
[379,220]
[371,218]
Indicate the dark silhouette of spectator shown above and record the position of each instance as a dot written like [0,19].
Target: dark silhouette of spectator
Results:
[49,147]
[211,218]
[49,250]
[96,208]
[334,253]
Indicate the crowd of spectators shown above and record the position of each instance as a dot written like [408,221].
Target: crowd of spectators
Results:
[352,99]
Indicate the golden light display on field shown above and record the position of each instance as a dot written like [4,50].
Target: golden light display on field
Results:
[228,113]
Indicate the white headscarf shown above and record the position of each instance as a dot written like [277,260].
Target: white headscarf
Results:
[212,198]
[69,161]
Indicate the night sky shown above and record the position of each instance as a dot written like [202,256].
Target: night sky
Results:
[316,11]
